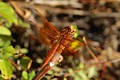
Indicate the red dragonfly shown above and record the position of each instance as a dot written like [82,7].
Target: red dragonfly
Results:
[54,54]
[58,43]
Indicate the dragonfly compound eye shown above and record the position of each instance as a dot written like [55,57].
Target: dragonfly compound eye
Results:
[73,31]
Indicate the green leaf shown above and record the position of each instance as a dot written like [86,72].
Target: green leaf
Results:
[4,31]
[92,71]
[5,40]
[81,75]
[31,75]
[8,13]
[25,61]
[5,22]
[1,78]
[25,75]
[24,50]
[23,24]
[6,69]
[8,24]
[9,51]
[70,70]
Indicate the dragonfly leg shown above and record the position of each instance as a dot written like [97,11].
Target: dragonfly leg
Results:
[56,58]
[60,59]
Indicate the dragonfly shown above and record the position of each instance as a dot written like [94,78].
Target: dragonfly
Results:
[58,45]
[59,42]
[54,54]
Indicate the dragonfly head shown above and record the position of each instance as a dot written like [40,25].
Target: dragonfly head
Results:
[68,31]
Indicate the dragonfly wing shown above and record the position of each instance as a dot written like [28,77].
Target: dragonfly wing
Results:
[48,32]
